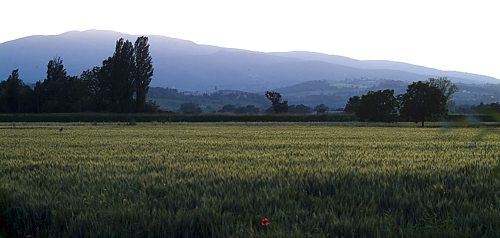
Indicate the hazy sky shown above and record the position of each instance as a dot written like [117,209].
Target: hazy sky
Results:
[447,34]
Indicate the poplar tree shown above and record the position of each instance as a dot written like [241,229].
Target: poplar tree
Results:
[143,72]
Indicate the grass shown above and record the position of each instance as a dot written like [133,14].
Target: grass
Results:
[220,180]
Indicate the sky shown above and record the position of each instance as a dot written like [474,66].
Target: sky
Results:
[461,35]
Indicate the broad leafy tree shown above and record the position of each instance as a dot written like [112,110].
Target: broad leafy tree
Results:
[278,105]
[378,106]
[299,109]
[15,96]
[444,85]
[97,97]
[321,108]
[353,104]
[422,102]
[447,88]
[59,92]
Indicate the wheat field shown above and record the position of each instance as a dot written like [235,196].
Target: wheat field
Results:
[221,180]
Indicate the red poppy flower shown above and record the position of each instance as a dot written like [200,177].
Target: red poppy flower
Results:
[264,222]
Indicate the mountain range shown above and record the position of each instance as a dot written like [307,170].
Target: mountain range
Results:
[187,66]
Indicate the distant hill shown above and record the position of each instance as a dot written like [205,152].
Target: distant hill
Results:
[171,99]
[185,65]
[459,77]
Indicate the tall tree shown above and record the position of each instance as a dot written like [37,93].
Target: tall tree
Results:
[122,82]
[118,74]
[278,105]
[55,70]
[143,71]
[15,96]
[422,102]
[9,93]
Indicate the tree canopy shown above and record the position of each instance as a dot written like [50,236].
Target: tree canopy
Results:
[278,105]
[444,85]
[353,104]
[15,96]
[321,108]
[377,106]
[422,102]
[59,92]
[143,72]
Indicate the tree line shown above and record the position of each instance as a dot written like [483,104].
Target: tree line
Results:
[191,107]
[423,101]
[121,84]
[278,105]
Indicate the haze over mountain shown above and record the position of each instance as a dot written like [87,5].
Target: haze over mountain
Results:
[185,65]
